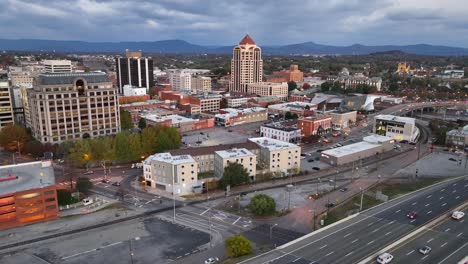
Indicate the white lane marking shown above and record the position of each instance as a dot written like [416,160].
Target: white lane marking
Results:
[414,203]
[237,220]
[393,221]
[430,240]
[371,242]
[463,220]
[409,253]
[441,198]
[347,235]
[458,197]
[205,211]
[375,230]
[296,259]
[329,253]
[113,244]
[370,224]
[429,196]
[388,233]
[464,245]
[427,205]
[354,241]
[349,254]
[443,245]
[444,204]
[460,234]
[429,212]
[442,190]
[446,230]
[412,221]
[148,202]
[454,191]
[424,257]
[466,185]
[92,250]
[397,211]
[324,246]
[454,184]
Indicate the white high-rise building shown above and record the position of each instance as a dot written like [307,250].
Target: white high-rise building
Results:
[246,65]
[6,104]
[57,66]
[180,80]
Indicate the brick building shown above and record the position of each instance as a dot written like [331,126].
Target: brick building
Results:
[313,125]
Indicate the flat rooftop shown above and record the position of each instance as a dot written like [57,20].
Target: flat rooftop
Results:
[232,112]
[407,120]
[350,149]
[376,139]
[272,144]
[293,105]
[283,126]
[26,176]
[176,119]
[168,158]
[234,153]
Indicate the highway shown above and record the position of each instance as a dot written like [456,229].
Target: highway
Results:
[448,241]
[368,232]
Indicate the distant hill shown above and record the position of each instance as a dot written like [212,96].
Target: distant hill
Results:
[184,47]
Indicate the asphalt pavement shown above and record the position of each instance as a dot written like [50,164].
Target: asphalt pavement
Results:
[366,233]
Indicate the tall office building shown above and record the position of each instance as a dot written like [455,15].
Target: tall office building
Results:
[57,66]
[246,65]
[72,106]
[134,70]
[6,104]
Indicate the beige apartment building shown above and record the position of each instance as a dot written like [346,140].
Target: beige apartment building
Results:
[67,106]
[208,103]
[201,84]
[246,65]
[242,156]
[278,156]
[279,90]
[22,79]
[57,66]
[6,104]
[175,174]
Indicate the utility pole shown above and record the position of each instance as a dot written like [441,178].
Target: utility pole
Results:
[211,236]
[131,250]
[271,231]
[173,197]
[362,198]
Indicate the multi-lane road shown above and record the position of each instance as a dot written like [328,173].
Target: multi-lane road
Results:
[368,232]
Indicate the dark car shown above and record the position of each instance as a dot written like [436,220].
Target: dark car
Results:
[452,159]
[310,160]
[404,141]
[320,150]
[344,189]
[116,183]
[105,181]
[412,215]
[329,205]
[316,168]
[229,130]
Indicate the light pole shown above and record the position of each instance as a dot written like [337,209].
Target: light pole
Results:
[211,236]
[271,230]
[313,219]
[362,197]
[173,197]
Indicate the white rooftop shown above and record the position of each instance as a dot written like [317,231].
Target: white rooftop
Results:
[234,153]
[350,149]
[168,158]
[272,144]
[176,119]
[376,139]
[292,105]
[407,120]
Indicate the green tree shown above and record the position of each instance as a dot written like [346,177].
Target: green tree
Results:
[64,197]
[122,152]
[83,184]
[237,246]
[134,147]
[326,86]
[234,174]
[142,123]
[148,140]
[262,205]
[292,85]
[13,136]
[80,152]
[125,120]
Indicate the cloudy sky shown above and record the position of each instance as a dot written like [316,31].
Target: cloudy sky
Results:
[224,22]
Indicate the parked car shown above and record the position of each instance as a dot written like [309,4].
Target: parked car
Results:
[452,159]
[425,250]
[310,160]
[329,205]
[412,215]
[384,258]
[343,189]
[212,260]
[316,168]
[87,201]
[105,181]
[116,183]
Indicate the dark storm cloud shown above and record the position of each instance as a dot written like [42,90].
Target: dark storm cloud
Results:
[221,22]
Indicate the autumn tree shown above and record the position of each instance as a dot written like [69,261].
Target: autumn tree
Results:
[13,137]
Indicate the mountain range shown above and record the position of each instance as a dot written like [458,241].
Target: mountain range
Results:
[184,47]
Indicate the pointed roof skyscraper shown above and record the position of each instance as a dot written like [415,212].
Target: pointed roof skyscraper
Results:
[247,40]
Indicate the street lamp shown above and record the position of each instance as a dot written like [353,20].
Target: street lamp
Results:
[313,219]
[271,231]
[362,198]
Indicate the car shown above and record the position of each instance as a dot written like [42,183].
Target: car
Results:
[384,258]
[88,172]
[336,134]
[303,155]
[412,215]
[339,145]
[329,205]
[116,183]
[404,141]
[425,250]
[229,130]
[212,260]
[452,159]
[457,215]
[105,181]
[343,189]
[310,160]
[316,168]
[87,201]
[320,150]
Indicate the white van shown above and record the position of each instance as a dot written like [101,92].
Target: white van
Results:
[384,258]
[87,201]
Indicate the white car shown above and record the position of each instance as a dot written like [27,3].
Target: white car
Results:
[384,258]
[425,250]
[87,201]
[458,215]
[212,260]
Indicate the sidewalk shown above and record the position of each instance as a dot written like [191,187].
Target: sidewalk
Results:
[80,209]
